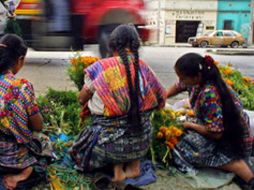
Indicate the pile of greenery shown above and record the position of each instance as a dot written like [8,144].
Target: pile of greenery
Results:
[243,85]
[60,110]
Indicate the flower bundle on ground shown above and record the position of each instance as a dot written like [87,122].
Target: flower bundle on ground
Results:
[167,130]
[76,69]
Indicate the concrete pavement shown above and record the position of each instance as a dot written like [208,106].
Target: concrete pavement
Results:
[220,51]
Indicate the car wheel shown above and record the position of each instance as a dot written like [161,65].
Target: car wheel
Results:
[234,44]
[204,44]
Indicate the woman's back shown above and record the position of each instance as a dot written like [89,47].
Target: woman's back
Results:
[16,106]
[110,83]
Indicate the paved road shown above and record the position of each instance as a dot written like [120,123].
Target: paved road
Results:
[49,69]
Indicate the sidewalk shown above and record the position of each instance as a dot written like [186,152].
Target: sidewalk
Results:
[64,55]
[215,50]
[230,51]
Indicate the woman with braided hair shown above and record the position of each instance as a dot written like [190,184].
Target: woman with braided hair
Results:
[220,136]
[121,92]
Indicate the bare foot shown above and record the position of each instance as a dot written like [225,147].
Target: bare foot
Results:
[133,169]
[11,181]
[119,174]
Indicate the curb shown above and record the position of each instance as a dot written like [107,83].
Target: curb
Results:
[249,52]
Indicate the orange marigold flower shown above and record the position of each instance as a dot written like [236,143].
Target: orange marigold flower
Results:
[73,61]
[228,71]
[170,145]
[168,134]
[229,82]
[163,129]
[173,140]
[190,113]
[247,79]
[177,132]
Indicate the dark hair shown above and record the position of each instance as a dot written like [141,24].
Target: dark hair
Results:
[192,64]
[11,48]
[122,38]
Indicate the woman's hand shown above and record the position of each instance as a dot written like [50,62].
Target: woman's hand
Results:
[36,122]
[84,95]
[201,130]
[188,125]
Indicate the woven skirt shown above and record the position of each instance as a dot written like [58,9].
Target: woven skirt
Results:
[111,141]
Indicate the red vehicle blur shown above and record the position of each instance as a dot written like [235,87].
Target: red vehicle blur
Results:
[91,21]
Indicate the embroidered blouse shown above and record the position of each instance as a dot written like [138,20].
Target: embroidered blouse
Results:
[17,104]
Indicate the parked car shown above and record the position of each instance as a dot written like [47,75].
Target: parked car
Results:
[222,38]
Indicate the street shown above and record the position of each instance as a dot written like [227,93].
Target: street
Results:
[49,69]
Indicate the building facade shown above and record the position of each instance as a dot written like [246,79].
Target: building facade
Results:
[174,21]
[235,15]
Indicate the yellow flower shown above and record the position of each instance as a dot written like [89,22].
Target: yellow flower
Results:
[159,135]
[168,134]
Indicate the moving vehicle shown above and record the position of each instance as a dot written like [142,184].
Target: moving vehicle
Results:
[222,38]
[91,21]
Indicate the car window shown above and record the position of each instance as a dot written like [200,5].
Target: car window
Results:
[235,33]
[219,34]
[228,33]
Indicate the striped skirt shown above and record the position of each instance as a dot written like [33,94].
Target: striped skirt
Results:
[110,141]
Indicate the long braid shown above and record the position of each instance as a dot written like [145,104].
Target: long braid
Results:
[122,38]
[134,49]
[124,58]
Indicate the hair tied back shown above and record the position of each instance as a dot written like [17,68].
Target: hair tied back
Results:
[209,61]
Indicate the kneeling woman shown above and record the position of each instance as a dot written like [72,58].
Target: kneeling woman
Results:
[121,92]
[221,136]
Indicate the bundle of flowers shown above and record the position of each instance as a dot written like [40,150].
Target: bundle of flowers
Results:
[76,69]
[243,85]
[167,131]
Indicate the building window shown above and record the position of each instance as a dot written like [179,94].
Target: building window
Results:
[228,25]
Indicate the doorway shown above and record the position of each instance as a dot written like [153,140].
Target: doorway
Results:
[185,29]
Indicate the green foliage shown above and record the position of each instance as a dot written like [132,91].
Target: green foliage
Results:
[60,110]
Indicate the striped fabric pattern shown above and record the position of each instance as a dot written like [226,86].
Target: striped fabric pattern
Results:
[110,81]
[17,103]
